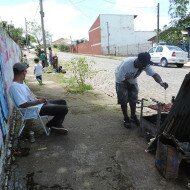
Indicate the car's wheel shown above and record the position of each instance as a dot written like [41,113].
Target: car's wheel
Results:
[164,62]
[179,65]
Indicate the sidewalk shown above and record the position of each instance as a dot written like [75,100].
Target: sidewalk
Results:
[187,64]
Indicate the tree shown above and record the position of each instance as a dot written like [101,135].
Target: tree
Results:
[173,35]
[36,30]
[178,9]
[15,33]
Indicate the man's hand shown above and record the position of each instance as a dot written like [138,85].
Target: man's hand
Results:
[42,100]
[45,99]
[164,85]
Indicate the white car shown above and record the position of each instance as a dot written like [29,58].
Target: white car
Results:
[168,54]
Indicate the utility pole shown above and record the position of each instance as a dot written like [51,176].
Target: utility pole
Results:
[108,33]
[158,22]
[26,27]
[43,30]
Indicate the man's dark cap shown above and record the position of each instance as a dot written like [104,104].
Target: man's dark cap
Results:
[144,58]
[19,66]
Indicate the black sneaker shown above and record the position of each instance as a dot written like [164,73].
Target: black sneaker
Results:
[127,123]
[59,130]
[135,120]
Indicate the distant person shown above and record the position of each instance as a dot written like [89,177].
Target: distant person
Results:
[43,58]
[25,60]
[55,62]
[50,56]
[24,98]
[38,70]
[126,83]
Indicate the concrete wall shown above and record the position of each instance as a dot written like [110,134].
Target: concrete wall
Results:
[121,29]
[9,54]
[143,36]
[122,36]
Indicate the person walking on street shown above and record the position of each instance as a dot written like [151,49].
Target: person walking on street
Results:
[25,60]
[24,98]
[38,70]
[43,58]
[50,56]
[126,83]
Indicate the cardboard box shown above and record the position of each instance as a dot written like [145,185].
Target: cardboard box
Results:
[167,160]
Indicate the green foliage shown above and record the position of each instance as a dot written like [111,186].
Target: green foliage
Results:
[173,34]
[72,86]
[35,30]
[81,41]
[38,50]
[81,70]
[55,46]
[15,33]
[63,47]
[178,9]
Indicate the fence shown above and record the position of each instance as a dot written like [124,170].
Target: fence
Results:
[127,50]
[9,54]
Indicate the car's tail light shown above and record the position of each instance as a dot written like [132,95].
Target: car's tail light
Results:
[173,54]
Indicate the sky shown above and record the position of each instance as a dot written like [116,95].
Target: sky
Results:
[73,18]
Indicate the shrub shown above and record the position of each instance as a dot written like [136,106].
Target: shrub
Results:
[63,48]
[81,71]
[55,46]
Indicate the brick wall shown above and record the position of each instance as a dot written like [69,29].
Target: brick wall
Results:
[84,48]
[93,46]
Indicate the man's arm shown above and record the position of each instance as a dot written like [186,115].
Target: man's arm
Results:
[158,79]
[33,103]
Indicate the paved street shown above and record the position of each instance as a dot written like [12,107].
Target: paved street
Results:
[105,78]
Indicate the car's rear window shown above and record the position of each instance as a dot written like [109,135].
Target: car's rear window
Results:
[174,48]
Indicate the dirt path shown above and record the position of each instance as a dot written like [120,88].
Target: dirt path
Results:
[98,153]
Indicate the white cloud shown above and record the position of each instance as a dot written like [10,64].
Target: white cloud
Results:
[146,12]
[65,20]
[60,19]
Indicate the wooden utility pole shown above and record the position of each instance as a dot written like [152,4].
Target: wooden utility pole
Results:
[108,33]
[42,24]
[26,28]
[158,22]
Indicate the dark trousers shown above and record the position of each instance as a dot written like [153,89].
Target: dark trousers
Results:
[43,63]
[56,108]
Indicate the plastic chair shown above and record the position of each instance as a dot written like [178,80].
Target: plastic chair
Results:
[25,115]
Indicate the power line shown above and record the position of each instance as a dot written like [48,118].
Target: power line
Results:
[131,7]
[72,3]
[80,1]
[36,11]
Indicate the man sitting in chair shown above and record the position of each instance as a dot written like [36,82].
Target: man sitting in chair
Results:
[23,98]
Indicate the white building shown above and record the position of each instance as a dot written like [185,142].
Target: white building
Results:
[114,34]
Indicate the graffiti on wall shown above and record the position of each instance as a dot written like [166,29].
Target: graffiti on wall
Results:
[9,54]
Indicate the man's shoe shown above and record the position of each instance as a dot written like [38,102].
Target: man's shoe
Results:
[127,123]
[49,125]
[135,120]
[59,130]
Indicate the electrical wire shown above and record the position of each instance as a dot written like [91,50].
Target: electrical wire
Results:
[86,16]
[133,7]
[36,12]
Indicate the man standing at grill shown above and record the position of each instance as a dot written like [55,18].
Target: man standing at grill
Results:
[126,84]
